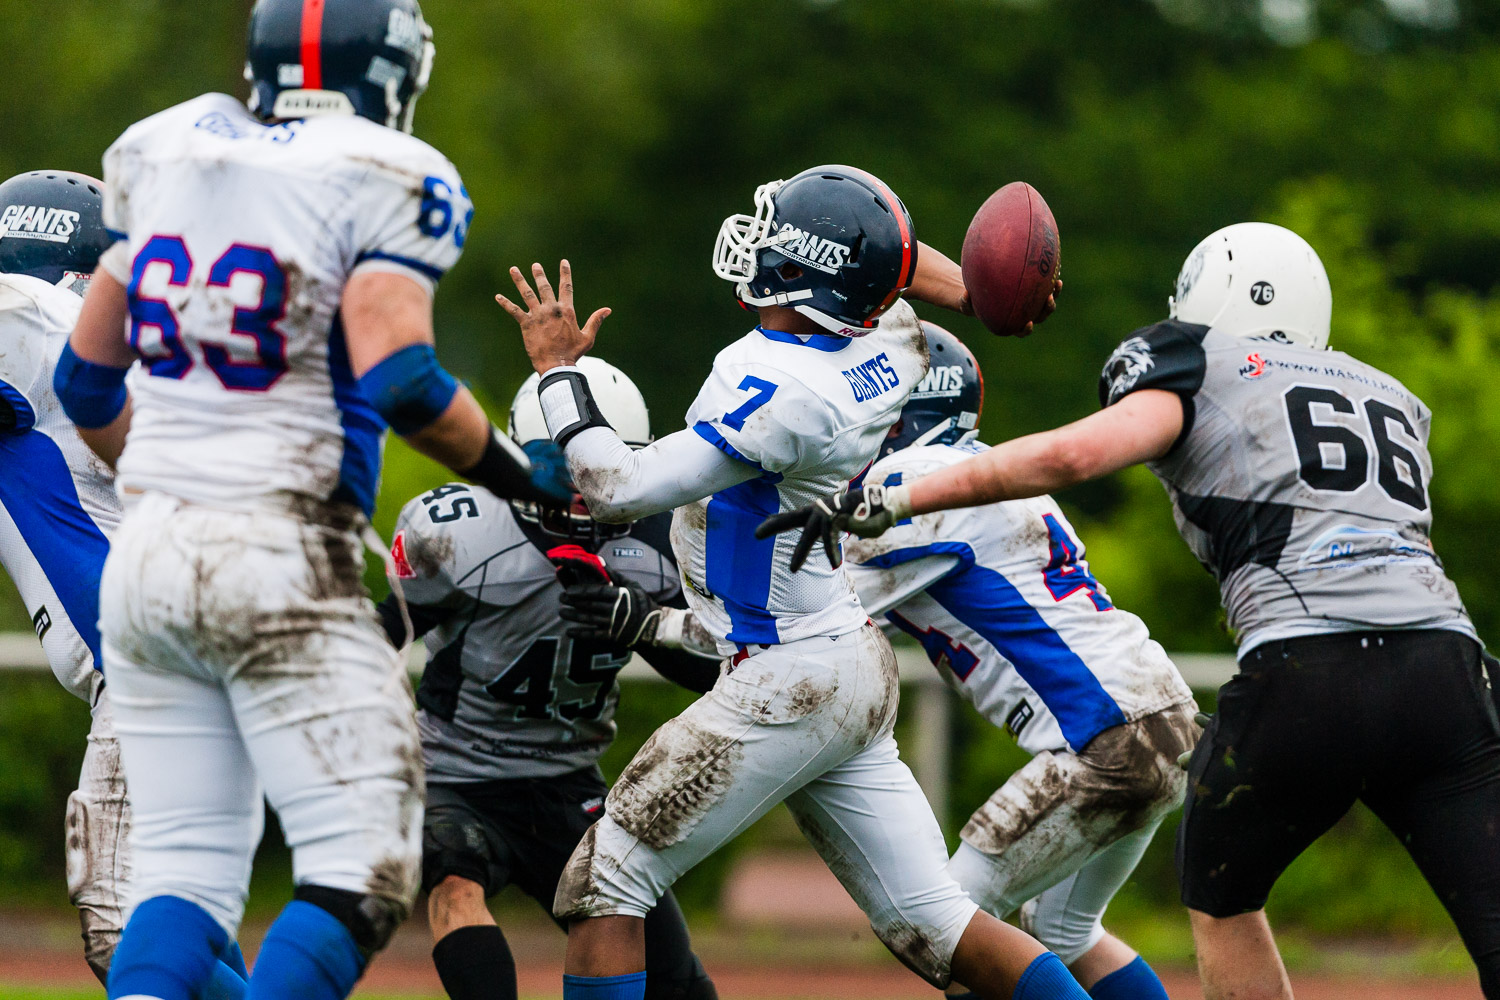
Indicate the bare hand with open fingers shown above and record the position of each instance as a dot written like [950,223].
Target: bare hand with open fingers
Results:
[549,323]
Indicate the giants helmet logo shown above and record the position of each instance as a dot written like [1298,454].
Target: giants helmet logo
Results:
[37,222]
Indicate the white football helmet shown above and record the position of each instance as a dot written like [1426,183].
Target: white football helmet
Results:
[1258,281]
[621,404]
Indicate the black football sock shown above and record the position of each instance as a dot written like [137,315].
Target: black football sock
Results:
[475,963]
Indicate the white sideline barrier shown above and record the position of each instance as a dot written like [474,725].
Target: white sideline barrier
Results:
[929,705]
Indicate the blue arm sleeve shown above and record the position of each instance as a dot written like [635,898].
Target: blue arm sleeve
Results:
[409,388]
[91,395]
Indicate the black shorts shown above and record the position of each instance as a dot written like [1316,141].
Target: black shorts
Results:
[522,831]
[1403,721]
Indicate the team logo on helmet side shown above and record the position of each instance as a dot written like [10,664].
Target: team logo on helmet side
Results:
[38,222]
[940,382]
[814,251]
[1125,367]
[1191,271]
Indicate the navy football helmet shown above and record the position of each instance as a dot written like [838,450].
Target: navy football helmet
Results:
[370,58]
[833,243]
[52,225]
[944,408]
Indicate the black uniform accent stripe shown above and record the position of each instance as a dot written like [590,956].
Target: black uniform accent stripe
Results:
[1239,531]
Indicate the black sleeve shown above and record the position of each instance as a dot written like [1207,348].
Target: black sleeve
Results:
[423,619]
[1166,356]
[681,667]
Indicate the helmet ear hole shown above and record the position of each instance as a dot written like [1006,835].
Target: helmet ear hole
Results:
[789,272]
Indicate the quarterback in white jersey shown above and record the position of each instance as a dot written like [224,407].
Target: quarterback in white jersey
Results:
[57,509]
[803,711]
[273,273]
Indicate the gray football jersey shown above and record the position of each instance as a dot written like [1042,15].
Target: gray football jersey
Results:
[506,693]
[1301,481]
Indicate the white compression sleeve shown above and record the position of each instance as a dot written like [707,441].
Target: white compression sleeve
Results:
[622,484]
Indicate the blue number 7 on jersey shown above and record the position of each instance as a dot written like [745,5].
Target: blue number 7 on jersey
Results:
[735,419]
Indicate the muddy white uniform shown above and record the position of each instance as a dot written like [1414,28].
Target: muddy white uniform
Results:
[804,711]
[1002,601]
[242,646]
[57,509]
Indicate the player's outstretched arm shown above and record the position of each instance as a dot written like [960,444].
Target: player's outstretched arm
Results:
[90,376]
[1139,428]
[617,482]
[388,326]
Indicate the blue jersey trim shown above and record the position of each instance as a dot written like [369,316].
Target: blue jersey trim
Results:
[988,603]
[435,273]
[116,235]
[710,433]
[827,342]
[737,564]
[359,469]
[63,539]
[23,417]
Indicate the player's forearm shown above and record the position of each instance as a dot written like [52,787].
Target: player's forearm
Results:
[458,438]
[621,484]
[938,281]
[1143,426]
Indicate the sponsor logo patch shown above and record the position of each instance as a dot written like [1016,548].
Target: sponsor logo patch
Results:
[1254,366]
[1019,716]
[398,556]
[625,552]
[41,621]
[37,222]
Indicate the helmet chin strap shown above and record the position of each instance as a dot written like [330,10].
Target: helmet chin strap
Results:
[775,299]
[833,324]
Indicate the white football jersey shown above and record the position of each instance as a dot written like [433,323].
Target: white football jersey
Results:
[57,499]
[810,413]
[1003,603]
[236,241]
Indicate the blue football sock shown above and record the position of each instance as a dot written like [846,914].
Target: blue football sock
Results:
[168,950]
[1046,978]
[307,955]
[1136,981]
[235,959]
[224,983]
[631,987]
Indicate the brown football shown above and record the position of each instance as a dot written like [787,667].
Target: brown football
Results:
[1010,258]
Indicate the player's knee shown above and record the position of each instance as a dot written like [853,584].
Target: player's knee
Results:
[1069,935]
[370,919]
[458,850]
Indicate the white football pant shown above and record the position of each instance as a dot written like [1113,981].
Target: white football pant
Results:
[243,654]
[1067,829]
[97,853]
[807,723]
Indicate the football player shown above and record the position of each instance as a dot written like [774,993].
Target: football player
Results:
[1299,477]
[803,713]
[1003,603]
[59,507]
[514,712]
[273,271]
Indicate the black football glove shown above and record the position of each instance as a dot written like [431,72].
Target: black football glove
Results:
[867,512]
[619,614]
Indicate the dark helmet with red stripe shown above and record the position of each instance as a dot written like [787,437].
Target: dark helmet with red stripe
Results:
[944,408]
[370,58]
[833,243]
[52,226]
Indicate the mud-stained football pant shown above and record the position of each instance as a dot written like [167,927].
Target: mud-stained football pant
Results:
[98,856]
[243,654]
[1066,830]
[807,723]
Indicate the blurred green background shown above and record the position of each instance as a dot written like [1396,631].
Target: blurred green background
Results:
[621,133]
